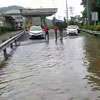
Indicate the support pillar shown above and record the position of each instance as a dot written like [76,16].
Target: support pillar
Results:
[11,46]
[5,54]
[16,43]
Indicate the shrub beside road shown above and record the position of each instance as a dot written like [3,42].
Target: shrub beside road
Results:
[91,27]
[5,29]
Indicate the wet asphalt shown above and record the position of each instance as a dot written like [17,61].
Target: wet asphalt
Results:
[52,70]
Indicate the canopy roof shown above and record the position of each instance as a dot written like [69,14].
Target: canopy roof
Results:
[32,12]
[38,12]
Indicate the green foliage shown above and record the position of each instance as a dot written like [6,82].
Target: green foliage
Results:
[6,29]
[84,13]
[91,27]
[97,28]
[50,27]
[88,27]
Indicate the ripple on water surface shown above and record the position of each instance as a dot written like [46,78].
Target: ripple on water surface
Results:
[49,71]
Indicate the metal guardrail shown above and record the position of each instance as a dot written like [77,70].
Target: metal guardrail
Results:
[10,42]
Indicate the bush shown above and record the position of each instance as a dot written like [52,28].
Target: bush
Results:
[91,27]
[97,28]
[6,29]
[50,26]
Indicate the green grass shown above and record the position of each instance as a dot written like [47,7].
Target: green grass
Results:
[4,30]
[91,27]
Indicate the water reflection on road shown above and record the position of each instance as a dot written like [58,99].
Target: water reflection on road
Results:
[40,70]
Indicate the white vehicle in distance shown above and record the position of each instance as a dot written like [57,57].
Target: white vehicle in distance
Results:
[36,31]
[72,30]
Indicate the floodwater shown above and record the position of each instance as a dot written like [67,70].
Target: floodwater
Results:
[40,70]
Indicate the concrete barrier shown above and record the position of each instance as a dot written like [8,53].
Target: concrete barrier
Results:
[96,33]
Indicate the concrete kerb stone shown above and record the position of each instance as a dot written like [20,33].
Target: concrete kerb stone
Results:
[91,32]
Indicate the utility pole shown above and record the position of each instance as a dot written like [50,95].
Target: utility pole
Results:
[71,9]
[67,11]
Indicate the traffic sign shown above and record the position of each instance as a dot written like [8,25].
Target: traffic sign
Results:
[94,16]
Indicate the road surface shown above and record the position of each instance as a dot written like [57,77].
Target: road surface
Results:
[62,70]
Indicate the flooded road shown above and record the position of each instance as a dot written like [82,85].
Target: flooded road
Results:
[40,70]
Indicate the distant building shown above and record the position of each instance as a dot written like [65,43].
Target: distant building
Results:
[18,21]
[14,19]
[22,18]
[2,21]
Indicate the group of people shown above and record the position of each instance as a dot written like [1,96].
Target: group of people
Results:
[46,30]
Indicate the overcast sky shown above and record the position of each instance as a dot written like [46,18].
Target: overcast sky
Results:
[60,4]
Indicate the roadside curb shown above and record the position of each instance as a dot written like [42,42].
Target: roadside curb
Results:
[96,33]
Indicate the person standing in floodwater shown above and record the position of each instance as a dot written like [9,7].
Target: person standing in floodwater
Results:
[61,33]
[45,28]
[55,30]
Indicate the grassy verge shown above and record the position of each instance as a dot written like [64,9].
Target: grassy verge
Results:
[4,30]
[91,27]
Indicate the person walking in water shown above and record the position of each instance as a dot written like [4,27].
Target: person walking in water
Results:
[45,28]
[55,30]
[61,33]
